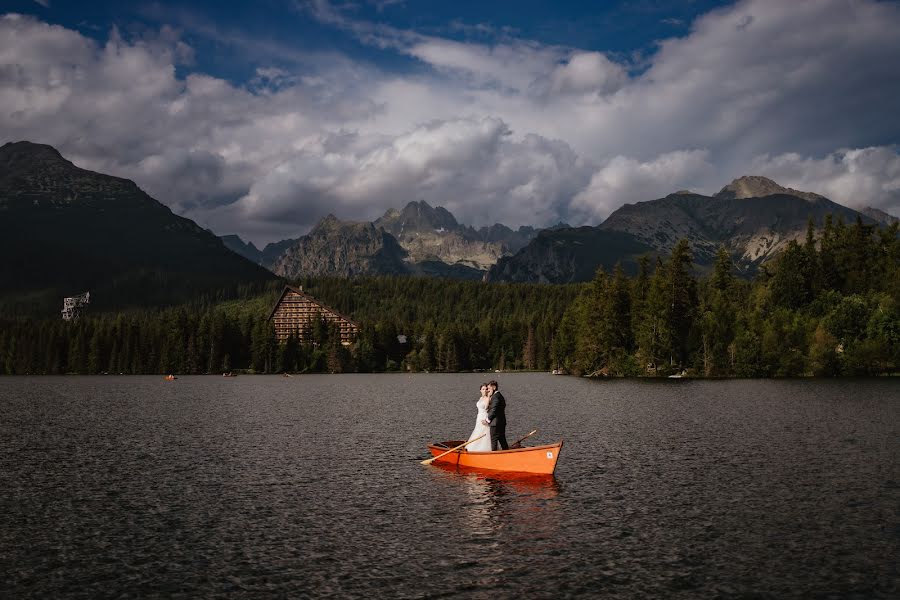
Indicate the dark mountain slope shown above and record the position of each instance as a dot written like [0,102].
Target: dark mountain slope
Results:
[65,230]
[569,255]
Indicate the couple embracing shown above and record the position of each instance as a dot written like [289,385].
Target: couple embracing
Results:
[491,420]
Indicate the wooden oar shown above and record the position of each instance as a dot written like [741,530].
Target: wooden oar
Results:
[428,461]
[522,438]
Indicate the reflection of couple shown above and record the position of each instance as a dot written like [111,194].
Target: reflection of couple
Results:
[491,420]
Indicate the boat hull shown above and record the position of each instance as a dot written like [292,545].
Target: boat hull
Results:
[539,460]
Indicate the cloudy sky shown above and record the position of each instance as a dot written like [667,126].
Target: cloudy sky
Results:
[260,118]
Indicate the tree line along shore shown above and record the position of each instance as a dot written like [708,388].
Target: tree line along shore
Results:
[828,306]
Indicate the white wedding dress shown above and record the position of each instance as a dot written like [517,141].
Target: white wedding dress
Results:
[484,444]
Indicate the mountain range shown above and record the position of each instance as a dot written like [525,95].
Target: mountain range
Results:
[753,217]
[65,230]
[416,240]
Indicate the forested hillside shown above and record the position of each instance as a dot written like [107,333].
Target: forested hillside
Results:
[825,307]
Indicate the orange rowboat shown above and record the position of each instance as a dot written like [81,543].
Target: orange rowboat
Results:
[536,459]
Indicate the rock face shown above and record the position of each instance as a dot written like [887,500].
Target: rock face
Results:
[754,186]
[879,216]
[754,228]
[432,235]
[342,249]
[273,251]
[417,217]
[78,230]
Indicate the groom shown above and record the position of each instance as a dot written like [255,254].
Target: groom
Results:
[496,417]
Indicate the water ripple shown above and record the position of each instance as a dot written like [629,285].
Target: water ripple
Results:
[311,487]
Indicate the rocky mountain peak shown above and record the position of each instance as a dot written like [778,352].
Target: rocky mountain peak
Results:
[879,216]
[333,228]
[38,175]
[418,216]
[16,155]
[27,160]
[343,249]
[328,223]
[756,186]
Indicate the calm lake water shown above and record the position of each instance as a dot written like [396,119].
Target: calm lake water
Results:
[311,486]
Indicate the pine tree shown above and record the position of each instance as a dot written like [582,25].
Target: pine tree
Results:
[789,286]
[655,333]
[192,360]
[426,354]
[9,359]
[723,271]
[683,295]
[812,268]
[717,320]
[618,303]
[592,329]
[528,353]
[335,364]
[95,354]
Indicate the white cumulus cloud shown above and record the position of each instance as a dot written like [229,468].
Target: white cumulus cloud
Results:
[859,178]
[516,180]
[499,129]
[625,180]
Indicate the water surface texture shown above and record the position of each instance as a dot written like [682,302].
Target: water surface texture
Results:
[311,487]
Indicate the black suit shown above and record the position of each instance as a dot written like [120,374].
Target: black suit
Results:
[497,416]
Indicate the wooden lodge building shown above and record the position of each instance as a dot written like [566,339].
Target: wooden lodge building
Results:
[296,312]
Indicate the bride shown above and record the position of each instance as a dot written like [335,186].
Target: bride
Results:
[484,444]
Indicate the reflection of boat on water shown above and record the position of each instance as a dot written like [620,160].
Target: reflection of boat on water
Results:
[545,485]
[492,504]
[539,460]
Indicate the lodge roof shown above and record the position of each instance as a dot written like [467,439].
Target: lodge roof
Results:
[321,305]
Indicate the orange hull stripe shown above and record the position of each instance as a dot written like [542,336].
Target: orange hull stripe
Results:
[538,459]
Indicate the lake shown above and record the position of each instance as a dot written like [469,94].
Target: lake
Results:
[311,486]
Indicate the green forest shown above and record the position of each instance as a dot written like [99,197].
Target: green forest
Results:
[828,306]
